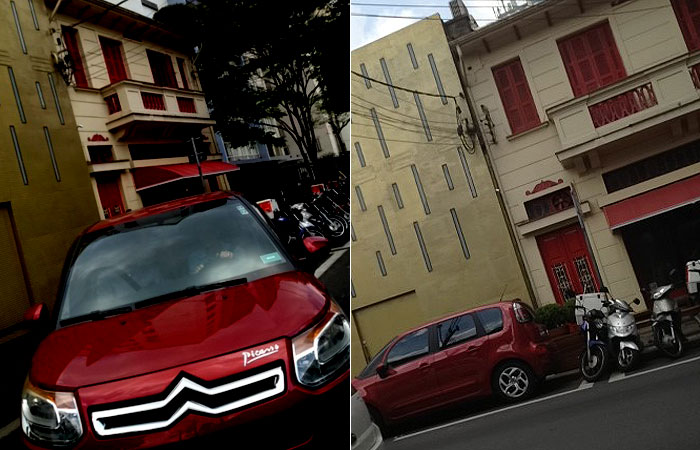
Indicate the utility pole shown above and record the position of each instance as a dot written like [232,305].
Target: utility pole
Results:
[199,166]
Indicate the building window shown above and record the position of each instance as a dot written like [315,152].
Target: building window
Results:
[183,73]
[688,15]
[412,55]
[59,111]
[365,75]
[467,172]
[423,249]
[438,81]
[18,153]
[423,119]
[549,204]
[360,198]
[70,38]
[162,69]
[113,104]
[652,167]
[448,177]
[421,192]
[40,94]
[15,91]
[52,155]
[591,59]
[186,105]
[360,155]
[100,154]
[112,51]
[153,101]
[20,35]
[516,96]
[34,18]
[397,195]
[380,133]
[380,263]
[150,5]
[387,230]
[390,85]
[460,234]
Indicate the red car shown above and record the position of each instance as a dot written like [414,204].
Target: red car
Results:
[186,320]
[494,348]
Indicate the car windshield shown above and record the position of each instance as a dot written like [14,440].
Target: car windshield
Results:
[175,253]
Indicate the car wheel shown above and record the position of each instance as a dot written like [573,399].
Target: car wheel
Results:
[513,381]
[378,419]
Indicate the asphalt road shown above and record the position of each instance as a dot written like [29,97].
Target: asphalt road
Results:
[656,407]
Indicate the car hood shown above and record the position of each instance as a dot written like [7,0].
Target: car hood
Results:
[178,332]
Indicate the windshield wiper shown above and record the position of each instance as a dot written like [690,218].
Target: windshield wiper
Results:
[98,314]
[190,291]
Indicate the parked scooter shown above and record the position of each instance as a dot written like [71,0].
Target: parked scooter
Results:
[593,362]
[666,322]
[332,227]
[623,336]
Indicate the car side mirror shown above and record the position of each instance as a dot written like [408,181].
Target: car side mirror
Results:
[37,315]
[317,250]
[383,370]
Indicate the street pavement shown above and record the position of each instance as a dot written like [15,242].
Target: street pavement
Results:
[655,407]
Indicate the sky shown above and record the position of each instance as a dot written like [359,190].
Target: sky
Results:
[364,30]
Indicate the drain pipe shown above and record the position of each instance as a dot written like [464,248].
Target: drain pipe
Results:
[55,10]
[459,62]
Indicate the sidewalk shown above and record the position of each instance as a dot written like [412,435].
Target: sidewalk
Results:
[567,348]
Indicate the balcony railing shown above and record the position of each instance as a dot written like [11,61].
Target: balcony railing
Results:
[647,98]
[129,101]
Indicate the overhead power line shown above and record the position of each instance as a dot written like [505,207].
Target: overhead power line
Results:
[401,88]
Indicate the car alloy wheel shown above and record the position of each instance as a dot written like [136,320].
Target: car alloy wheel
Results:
[513,381]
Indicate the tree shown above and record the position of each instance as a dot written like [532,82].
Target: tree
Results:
[259,61]
[333,70]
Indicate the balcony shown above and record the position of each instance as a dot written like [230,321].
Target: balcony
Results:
[637,103]
[140,110]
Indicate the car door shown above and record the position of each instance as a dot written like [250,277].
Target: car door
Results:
[460,357]
[408,386]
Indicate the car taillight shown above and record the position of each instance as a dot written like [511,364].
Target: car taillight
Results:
[522,313]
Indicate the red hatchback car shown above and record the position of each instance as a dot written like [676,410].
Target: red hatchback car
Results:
[180,321]
[492,349]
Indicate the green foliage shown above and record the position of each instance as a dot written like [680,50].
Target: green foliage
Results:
[553,315]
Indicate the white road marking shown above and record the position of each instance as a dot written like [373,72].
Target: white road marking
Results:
[585,385]
[328,263]
[562,374]
[9,428]
[616,376]
[656,369]
[490,413]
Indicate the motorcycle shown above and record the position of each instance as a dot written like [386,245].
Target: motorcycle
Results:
[623,335]
[666,322]
[332,227]
[594,359]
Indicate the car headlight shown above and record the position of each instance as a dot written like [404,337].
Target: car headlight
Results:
[50,417]
[323,350]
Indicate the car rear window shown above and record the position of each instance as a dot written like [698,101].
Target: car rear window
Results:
[491,320]
[456,330]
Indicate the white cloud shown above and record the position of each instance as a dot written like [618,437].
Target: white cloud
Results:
[364,30]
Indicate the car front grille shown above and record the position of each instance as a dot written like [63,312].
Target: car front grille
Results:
[188,394]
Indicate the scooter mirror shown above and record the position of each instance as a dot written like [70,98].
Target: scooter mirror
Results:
[636,301]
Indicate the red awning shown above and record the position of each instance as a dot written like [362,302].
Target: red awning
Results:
[148,177]
[654,202]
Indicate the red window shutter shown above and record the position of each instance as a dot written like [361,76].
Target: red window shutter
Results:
[688,16]
[516,96]
[70,38]
[591,59]
[162,69]
[112,51]
[183,73]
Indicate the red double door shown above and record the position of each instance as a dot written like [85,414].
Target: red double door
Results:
[568,263]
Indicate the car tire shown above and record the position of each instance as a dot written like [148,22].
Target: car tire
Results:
[378,419]
[513,381]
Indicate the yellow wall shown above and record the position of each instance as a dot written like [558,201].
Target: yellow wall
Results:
[47,214]
[409,295]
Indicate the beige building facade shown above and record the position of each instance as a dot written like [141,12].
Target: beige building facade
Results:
[603,99]
[45,193]
[428,236]
[137,102]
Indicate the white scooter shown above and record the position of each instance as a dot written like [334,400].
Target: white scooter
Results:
[666,322]
[623,335]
